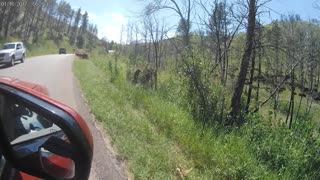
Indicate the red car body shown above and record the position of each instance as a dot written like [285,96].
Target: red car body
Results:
[43,93]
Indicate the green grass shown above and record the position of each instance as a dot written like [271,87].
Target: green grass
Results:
[284,100]
[9,39]
[155,136]
[44,47]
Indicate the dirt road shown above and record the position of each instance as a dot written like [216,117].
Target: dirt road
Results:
[55,72]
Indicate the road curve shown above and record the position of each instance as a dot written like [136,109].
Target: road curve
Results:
[55,72]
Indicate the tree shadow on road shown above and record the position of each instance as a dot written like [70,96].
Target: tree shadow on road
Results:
[5,66]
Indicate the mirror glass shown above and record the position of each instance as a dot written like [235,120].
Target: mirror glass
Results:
[37,141]
[28,124]
[56,162]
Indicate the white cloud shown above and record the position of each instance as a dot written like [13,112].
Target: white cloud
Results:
[119,18]
[112,33]
[110,26]
[171,34]
[92,16]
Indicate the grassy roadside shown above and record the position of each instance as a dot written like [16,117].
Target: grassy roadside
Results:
[154,136]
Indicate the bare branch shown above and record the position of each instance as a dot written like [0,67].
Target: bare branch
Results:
[276,89]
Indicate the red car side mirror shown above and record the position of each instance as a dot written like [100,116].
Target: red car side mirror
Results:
[42,137]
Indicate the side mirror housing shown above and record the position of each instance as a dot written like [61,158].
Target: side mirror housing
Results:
[42,137]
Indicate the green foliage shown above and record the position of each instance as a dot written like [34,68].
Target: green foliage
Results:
[110,67]
[292,153]
[283,107]
[43,46]
[84,23]
[177,123]
[173,89]
[155,134]
[80,41]
[156,130]
[8,39]
[203,93]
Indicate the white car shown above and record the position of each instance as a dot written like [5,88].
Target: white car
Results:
[12,52]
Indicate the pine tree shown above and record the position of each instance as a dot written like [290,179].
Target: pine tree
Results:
[84,24]
[75,26]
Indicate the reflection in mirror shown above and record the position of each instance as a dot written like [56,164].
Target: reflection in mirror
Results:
[28,124]
[56,162]
[36,141]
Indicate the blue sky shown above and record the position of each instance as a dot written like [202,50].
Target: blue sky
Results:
[304,8]
[111,15]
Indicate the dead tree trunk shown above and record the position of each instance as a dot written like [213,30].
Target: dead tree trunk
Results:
[290,113]
[259,74]
[253,59]
[12,11]
[237,93]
